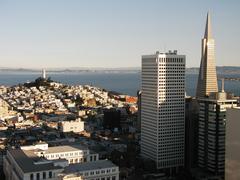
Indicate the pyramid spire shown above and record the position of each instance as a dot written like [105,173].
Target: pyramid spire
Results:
[208,30]
[207,79]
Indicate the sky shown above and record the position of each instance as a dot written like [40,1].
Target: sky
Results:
[113,33]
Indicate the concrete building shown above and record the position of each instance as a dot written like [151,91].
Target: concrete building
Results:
[72,153]
[232,158]
[99,170]
[207,79]
[163,109]
[19,164]
[41,162]
[76,126]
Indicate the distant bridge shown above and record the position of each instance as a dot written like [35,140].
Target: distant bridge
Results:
[229,78]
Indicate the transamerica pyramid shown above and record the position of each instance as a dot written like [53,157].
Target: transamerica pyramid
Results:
[207,78]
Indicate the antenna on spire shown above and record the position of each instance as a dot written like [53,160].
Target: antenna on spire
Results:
[222,84]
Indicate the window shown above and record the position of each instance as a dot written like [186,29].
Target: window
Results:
[44,175]
[113,177]
[50,174]
[38,176]
[31,176]
[102,171]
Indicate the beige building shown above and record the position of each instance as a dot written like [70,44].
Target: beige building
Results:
[232,157]
[76,126]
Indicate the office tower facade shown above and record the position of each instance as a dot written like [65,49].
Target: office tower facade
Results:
[232,158]
[212,130]
[207,79]
[163,109]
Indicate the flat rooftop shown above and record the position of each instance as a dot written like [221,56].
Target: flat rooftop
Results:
[88,166]
[66,148]
[27,159]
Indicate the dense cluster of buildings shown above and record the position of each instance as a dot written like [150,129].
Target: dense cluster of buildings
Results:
[50,130]
[54,131]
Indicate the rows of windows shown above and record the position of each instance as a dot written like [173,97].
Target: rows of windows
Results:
[106,178]
[98,172]
[65,154]
[44,175]
[170,60]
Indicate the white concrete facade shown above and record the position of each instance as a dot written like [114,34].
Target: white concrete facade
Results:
[37,164]
[99,170]
[163,109]
[73,154]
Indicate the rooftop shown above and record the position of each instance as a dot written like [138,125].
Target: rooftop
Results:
[59,149]
[27,159]
[101,164]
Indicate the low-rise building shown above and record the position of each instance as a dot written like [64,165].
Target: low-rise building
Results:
[19,164]
[39,162]
[98,170]
[72,153]
[76,126]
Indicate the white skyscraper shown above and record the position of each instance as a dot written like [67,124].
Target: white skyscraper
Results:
[163,109]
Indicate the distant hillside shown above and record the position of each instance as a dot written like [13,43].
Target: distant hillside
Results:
[193,70]
[220,70]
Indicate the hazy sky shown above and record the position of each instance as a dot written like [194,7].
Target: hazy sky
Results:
[113,33]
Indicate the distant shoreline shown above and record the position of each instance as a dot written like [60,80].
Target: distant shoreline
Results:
[193,70]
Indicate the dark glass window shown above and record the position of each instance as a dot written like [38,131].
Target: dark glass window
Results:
[44,175]
[50,174]
[38,176]
[31,176]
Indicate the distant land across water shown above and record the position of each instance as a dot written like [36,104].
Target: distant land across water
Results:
[126,82]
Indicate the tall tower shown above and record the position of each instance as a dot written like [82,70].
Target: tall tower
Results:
[44,74]
[163,109]
[212,112]
[207,78]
